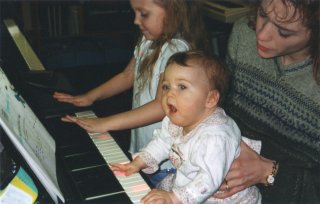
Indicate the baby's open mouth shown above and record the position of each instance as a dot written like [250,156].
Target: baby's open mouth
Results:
[172,109]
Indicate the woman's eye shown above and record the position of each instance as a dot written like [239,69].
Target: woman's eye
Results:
[262,13]
[284,34]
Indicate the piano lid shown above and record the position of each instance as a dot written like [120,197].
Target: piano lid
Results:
[26,50]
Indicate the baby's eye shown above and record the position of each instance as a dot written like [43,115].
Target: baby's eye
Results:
[182,87]
[165,87]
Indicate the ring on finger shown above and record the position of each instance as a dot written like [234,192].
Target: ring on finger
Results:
[227,186]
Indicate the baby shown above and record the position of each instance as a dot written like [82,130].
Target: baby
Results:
[197,136]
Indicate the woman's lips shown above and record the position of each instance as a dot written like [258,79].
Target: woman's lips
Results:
[262,48]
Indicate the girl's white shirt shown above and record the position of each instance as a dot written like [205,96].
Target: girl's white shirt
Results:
[140,137]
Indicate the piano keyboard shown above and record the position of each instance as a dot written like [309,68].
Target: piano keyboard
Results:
[134,185]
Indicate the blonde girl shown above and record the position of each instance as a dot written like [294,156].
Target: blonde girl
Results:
[167,27]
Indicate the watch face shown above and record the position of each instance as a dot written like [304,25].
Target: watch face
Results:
[270,179]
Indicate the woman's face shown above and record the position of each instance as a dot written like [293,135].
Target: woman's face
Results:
[149,17]
[276,36]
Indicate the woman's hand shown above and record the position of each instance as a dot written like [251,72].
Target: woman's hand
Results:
[93,125]
[248,169]
[80,100]
[160,197]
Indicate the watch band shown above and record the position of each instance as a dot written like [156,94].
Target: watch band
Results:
[271,177]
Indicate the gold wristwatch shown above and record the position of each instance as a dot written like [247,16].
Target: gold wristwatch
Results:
[271,178]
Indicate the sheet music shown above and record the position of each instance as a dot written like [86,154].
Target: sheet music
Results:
[29,136]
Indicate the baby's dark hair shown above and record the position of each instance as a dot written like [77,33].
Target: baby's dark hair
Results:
[215,69]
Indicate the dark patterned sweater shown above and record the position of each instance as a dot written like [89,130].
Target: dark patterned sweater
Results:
[279,105]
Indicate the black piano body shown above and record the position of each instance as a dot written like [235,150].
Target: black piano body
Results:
[83,175]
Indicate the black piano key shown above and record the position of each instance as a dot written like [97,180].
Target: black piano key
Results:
[96,173]
[49,81]
[83,161]
[66,133]
[57,126]
[105,198]
[97,182]
[98,188]
[120,198]
[44,104]
[69,150]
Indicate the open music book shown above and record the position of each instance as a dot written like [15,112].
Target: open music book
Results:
[29,137]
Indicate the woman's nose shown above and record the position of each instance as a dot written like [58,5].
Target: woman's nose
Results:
[264,32]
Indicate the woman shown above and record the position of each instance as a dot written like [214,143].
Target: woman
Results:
[275,98]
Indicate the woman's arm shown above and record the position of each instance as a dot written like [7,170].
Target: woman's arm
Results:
[119,83]
[248,169]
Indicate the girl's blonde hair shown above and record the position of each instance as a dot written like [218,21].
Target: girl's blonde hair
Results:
[183,19]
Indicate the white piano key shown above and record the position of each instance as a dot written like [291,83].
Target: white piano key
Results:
[134,188]
[115,158]
[85,114]
[120,160]
[134,185]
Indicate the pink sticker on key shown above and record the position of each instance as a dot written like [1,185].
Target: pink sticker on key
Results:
[103,136]
[119,173]
[139,187]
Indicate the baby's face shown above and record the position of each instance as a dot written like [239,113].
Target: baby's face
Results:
[184,94]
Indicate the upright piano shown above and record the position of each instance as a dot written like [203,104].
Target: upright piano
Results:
[82,159]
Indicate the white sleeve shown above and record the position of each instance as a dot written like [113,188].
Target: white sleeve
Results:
[253,144]
[213,154]
[168,49]
[158,148]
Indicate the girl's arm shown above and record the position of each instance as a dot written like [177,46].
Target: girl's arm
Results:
[144,115]
[119,83]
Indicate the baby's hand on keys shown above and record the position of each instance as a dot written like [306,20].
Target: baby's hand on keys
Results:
[160,197]
[125,169]
[80,100]
[89,124]
[128,168]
